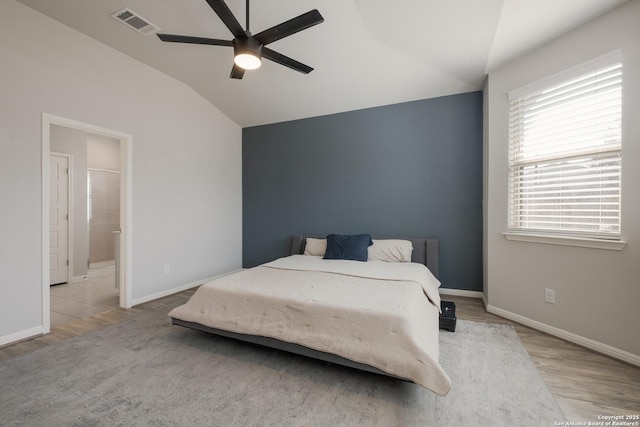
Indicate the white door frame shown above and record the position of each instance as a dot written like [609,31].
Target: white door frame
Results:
[69,210]
[126,141]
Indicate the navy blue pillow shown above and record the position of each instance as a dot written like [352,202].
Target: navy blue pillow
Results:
[351,247]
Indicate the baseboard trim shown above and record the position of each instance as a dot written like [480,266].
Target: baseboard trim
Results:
[76,279]
[461,293]
[177,289]
[102,271]
[20,336]
[597,346]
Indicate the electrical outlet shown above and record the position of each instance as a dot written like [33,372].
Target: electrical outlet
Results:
[550,296]
[167,269]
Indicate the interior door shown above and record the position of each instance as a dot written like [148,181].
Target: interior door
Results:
[59,219]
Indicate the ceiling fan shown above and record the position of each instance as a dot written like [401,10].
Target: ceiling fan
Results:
[249,48]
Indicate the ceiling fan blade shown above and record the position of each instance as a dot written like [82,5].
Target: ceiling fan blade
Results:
[279,58]
[237,72]
[222,10]
[193,40]
[289,27]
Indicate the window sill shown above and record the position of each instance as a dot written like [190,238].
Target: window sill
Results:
[612,245]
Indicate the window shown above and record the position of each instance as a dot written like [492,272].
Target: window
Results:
[565,156]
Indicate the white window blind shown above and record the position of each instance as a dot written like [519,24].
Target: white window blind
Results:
[565,139]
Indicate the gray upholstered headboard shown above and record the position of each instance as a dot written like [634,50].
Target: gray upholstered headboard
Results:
[425,251]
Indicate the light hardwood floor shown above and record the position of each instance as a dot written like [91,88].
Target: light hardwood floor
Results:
[79,300]
[584,383]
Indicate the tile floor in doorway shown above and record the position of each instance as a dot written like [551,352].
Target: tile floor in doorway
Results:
[73,301]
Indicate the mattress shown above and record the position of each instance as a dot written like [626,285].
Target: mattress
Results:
[376,313]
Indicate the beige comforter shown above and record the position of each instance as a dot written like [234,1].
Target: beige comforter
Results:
[381,314]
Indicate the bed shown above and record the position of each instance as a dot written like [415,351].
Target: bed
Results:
[377,316]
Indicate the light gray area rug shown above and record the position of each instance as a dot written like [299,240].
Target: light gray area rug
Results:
[146,372]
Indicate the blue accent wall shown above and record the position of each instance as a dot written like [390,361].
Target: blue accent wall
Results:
[405,170]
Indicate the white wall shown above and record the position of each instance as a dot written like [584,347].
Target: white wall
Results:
[103,152]
[187,190]
[597,291]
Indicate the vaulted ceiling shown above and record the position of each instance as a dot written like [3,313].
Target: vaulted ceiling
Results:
[366,53]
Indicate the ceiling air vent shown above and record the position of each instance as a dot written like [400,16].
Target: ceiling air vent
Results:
[135,21]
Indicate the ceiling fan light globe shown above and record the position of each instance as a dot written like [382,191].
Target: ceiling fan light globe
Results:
[247,61]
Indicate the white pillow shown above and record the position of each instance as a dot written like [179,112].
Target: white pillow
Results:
[315,247]
[391,250]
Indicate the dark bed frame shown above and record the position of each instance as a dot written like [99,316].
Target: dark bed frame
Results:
[425,251]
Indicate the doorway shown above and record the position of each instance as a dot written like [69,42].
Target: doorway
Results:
[108,271]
